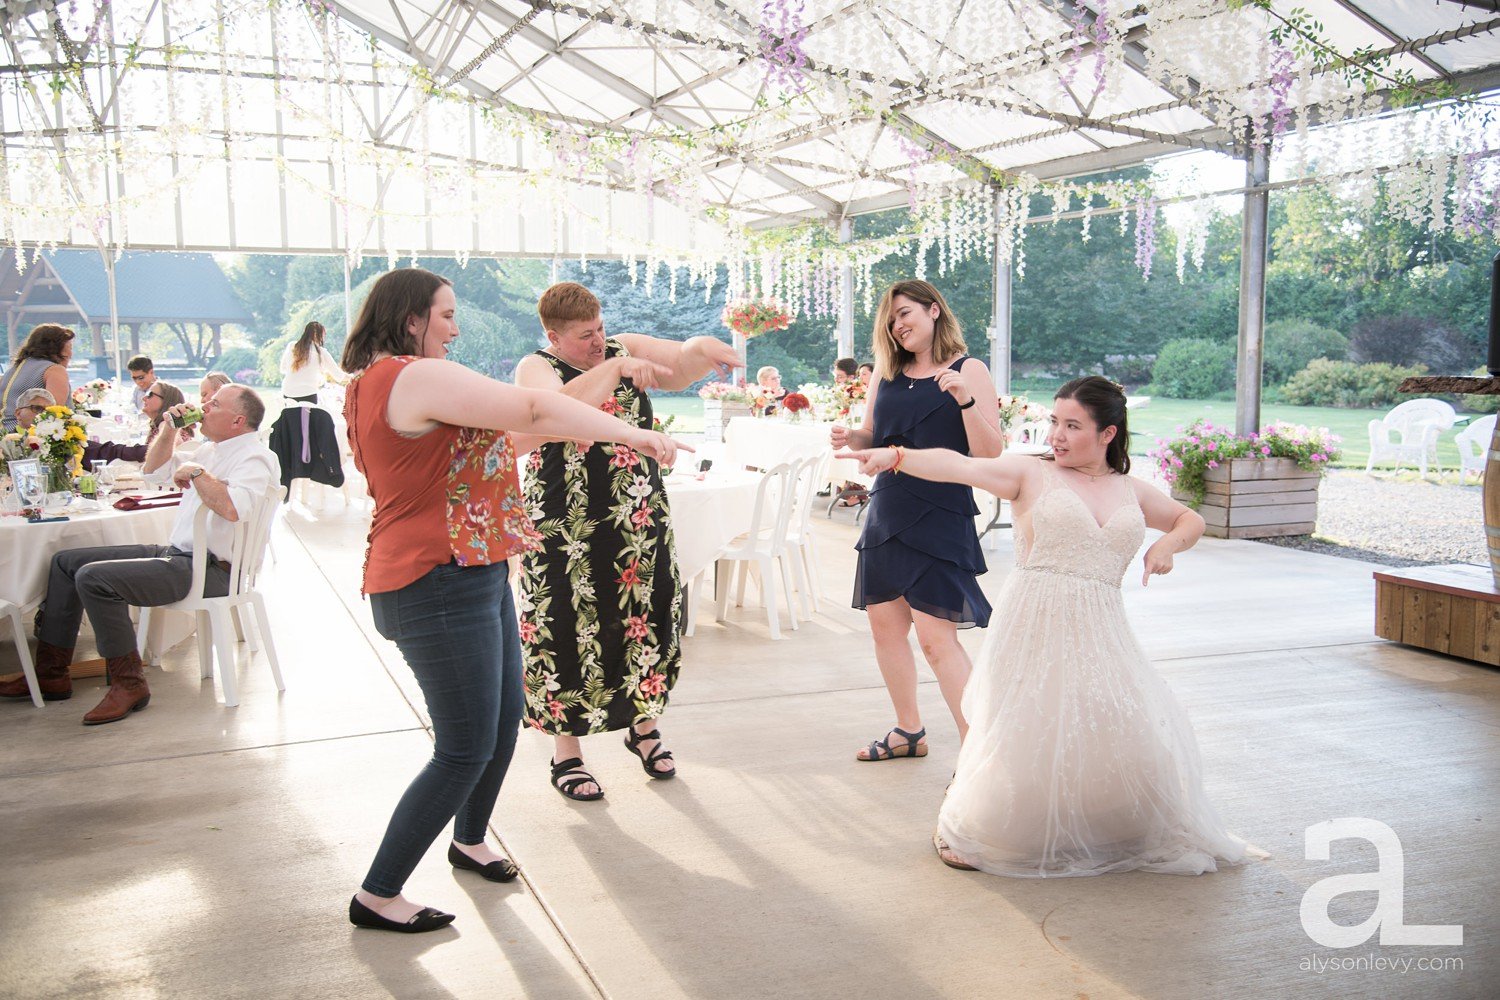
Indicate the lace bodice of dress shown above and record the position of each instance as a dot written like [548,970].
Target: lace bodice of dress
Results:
[1060,535]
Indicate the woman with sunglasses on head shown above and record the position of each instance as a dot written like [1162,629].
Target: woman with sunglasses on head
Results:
[919,557]
[437,444]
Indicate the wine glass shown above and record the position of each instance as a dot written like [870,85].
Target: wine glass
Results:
[104,477]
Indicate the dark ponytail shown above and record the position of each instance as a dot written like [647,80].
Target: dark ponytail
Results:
[1105,402]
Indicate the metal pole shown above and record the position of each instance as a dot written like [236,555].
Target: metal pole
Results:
[114,307]
[846,298]
[348,312]
[1252,293]
[1000,315]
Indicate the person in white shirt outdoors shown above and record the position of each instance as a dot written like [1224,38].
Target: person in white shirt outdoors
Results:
[769,379]
[212,383]
[306,365]
[228,475]
[41,363]
[143,374]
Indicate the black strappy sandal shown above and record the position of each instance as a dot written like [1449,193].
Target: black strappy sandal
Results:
[569,774]
[881,749]
[633,742]
[941,845]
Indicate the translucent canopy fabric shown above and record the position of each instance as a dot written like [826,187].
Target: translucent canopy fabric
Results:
[667,128]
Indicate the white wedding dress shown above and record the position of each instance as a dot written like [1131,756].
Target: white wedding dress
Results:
[1079,761]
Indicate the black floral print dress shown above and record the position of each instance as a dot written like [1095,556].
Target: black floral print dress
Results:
[601,599]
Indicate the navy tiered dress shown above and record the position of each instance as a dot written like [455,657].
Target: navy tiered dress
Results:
[919,540]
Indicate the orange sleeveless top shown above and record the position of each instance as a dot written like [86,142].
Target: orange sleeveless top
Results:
[450,495]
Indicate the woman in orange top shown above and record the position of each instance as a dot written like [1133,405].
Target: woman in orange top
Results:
[431,438]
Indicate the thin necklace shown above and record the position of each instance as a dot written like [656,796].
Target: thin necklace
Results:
[1107,472]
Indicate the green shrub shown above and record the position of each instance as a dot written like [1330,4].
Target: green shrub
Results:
[236,359]
[1346,384]
[1292,344]
[1193,369]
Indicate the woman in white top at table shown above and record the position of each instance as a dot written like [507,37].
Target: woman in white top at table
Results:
[306,365]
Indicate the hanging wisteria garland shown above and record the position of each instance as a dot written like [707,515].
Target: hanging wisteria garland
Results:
[1436,168]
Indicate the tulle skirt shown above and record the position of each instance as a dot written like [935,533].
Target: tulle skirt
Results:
[1079,761]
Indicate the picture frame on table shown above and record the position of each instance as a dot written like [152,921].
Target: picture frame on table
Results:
[29,480]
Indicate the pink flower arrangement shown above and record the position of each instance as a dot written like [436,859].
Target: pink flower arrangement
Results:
[1183,460]
[750,318]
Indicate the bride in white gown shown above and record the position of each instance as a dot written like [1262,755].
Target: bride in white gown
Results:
[1078,760]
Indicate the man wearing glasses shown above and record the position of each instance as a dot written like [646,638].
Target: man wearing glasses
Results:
[230,474]
[143,374]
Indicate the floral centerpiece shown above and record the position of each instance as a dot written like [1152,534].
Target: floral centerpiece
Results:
[1185,460]
[1017,410]
[825,402]
[850,394]
[753,317]
[17,445]
[795,405]
[89,395]
[726,392]
[762,400]
[60,437]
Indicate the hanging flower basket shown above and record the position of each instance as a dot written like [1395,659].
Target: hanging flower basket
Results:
[752,317]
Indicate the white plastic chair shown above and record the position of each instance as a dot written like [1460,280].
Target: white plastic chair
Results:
[763,545]
[1032,432]
[1474,446]
[215,615]
[809,476]
[18,633]
[1409,433]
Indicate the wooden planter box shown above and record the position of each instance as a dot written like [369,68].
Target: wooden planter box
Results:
[716,416]
[1259,498]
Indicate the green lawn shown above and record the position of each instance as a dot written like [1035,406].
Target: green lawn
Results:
[1162,418]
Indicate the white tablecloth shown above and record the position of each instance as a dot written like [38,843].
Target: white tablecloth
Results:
[106,428]
[764,442]
[707,513]
[26,549]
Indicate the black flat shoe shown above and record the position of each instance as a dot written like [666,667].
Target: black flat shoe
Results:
[496,871]
[428,919]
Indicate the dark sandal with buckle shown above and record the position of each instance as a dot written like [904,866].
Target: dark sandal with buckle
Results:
[942,845]
[633,743]
[569,774]
[881,749]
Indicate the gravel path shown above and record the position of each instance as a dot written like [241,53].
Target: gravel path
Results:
[1408,519]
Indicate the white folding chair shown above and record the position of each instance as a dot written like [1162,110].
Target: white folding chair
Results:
[18,633]
[763,545]
[215,615]
[810,475]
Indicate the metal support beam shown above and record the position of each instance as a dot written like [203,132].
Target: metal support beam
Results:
[846,297]
[1000,314]
[1252,292]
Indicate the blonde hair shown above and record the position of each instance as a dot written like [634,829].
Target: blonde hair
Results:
[947,335]
[566,302]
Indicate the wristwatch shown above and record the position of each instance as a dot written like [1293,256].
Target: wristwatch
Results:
[200,470]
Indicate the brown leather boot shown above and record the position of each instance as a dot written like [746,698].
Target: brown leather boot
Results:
[51,675]
[127,691]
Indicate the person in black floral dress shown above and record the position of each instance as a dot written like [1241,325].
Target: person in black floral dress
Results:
[601,600]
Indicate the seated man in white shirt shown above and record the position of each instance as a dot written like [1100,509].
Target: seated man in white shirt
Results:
[227,476]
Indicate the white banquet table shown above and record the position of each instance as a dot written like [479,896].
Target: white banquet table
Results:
[765,442]
[26,549]
[707,513]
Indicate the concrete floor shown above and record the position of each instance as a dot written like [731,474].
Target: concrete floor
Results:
[199,851]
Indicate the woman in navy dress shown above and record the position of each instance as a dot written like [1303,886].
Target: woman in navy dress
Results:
[919,557]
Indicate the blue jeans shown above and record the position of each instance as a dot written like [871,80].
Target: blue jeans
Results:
[456,628]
